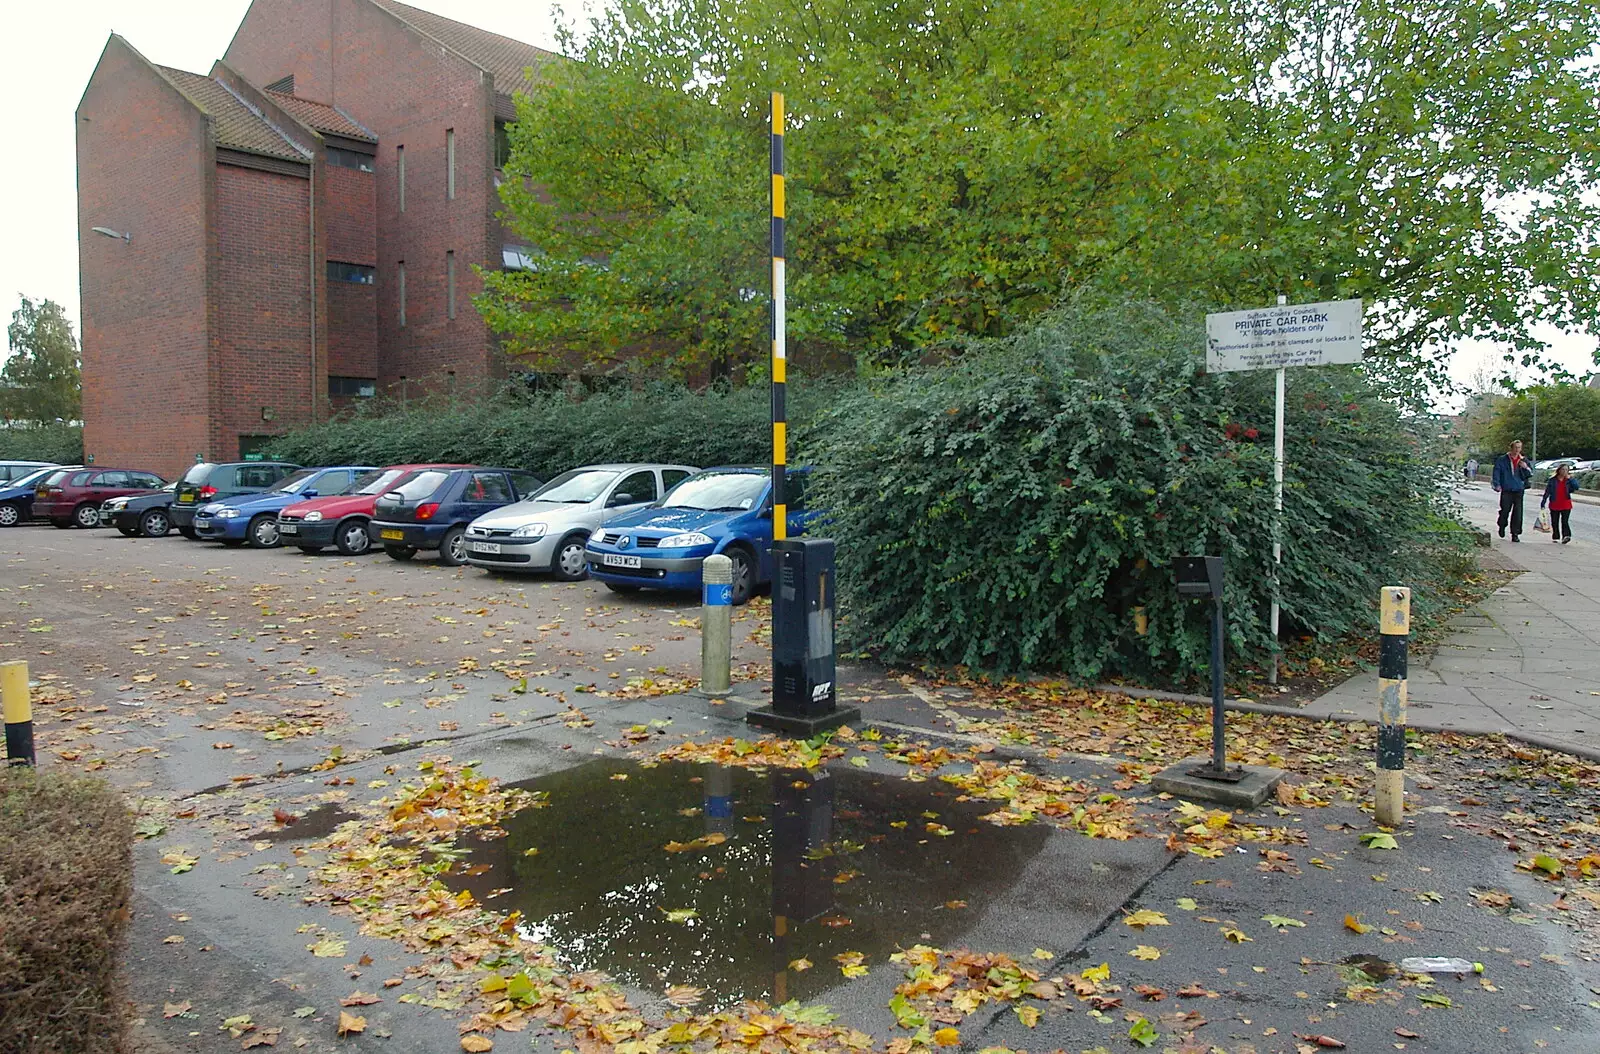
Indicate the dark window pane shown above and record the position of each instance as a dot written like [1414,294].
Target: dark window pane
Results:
[360,274]
[350,159]
[360,387]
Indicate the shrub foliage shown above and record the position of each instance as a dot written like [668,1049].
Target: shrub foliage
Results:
[1010,511]
[66,877]
[62,444]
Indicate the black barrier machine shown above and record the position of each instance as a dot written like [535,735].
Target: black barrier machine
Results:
[1201,576]
[804,685]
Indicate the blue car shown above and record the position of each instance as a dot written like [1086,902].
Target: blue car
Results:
[720,510]
[253,518]
[16,496]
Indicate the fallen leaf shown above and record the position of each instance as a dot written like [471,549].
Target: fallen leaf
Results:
[1235,935]
[1042,955]
[1145,917]
[359,999]
[267,1037]
[304,1011]
[800,965]
[1151,992]
[684,994]
[328,948]
[1145,952]
[1143,1033]
[1322,1041]
[176,938]
[680,914]
[476,1044]
[1406,1033]
[1187,904]
[1097,973]
[1354,924]
[349,1023]
[946,1037]
[1028,1015]
[1378,840]
[174,1009]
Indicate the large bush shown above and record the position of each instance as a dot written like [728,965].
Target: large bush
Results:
[66,876]
[62,444]
[552,432]
[1009,511]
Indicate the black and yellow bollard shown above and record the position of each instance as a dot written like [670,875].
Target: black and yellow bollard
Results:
[1388,802]
[18,712]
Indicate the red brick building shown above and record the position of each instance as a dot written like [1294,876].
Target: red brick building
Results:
[290,232]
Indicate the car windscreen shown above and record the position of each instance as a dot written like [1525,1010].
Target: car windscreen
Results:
[376,482]
[293,482]
[718,492]
[31,478]
[421,485]
[578,487]
[198,473]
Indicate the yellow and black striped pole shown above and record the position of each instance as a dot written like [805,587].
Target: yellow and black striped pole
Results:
[1388,802]
[780,424]
[18,712]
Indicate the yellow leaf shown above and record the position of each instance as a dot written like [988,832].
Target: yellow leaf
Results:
[1355,925]
[1145,917]
[1042,955]
[1028,1015]
[947,1037]
[800,965]
[328,948]
[475,1043]
[853,971]
[1236,936]
[1097,973]
[349,1023]
[1145,952]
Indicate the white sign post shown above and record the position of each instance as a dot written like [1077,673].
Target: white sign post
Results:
[1275,338]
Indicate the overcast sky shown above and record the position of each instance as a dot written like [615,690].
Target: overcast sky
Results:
[48,49]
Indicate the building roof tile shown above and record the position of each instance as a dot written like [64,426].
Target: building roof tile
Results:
[235,125]
[502,56]
[321,116]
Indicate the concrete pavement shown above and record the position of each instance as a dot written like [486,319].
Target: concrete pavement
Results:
[1526,660]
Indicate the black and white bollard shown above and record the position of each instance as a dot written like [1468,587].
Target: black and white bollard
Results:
[1389,793]
[18,710]
[716,626]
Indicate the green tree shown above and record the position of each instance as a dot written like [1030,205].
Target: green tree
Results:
[1569,421]
[41,381]
[956,166]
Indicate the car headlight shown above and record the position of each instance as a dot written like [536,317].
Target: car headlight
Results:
[683,541]
[530,530]
[313,517]
[116,504]
[224,514]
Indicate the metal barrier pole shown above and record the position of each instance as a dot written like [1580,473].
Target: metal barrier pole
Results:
[716,625]
[1388,803]
[18,712]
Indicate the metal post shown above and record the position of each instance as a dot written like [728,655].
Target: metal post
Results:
[716,625]
[1277,515]
[1219,749]
[1388,803]
[780,355]
[18,712]
[1535,453]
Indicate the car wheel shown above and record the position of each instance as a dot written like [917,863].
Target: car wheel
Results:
[10,514]
[60,523]
[453,547]
[263,532]
[86,515]
[744,575]
[618,587]
[399,552]
[155,523]
[128,532]
[352,538]
[311,550]
[189,533]
[568,565]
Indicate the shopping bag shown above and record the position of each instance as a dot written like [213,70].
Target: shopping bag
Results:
[1543,522]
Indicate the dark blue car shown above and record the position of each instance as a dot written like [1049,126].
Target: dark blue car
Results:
[430,509]
[16,497]
[720,510]
[253,518]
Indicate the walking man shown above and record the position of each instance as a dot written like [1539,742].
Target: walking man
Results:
[1472,469]
[1511,475]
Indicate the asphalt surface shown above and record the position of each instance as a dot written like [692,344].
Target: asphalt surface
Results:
[210,683]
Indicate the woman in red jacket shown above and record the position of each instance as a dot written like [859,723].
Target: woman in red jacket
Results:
[1558,495]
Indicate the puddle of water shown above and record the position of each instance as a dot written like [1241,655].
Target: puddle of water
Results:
[317,823]
[781,866]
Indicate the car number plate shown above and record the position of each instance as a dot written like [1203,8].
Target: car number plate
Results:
[393,536]
[485,547]
[288,528]
[614,560]
[186,496]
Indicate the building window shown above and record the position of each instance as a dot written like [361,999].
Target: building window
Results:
[401,269]
[450,163]
[450,283]
[502,144]
[518,258]
[283,85]
[400,169]
[360,274]
[358,387]
[351,159]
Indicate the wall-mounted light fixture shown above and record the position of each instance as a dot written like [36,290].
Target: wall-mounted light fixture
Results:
[109,233]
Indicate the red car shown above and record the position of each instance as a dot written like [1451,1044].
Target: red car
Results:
[341,519]
[71,496]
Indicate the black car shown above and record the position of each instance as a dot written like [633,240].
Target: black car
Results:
[431,509]
[141,515]
[206,482]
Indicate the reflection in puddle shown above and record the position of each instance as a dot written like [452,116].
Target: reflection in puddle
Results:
[775,867]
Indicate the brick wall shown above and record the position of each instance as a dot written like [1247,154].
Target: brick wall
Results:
[263,304]
[408,90]
[143,167]
[349,204]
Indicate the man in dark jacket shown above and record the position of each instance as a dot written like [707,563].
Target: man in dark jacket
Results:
[1511,475]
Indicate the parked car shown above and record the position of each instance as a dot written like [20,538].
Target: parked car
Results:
[720,510]
[12,472]
[431,509]
[341,521]
[70,497]
[147,515]
[547,530]
[206,482]
[253,518]
[16,497]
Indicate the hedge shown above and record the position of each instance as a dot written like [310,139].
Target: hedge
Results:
[66,877]
[1012,510]
[62,444]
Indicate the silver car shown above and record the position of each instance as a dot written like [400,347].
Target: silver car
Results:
[546,531]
